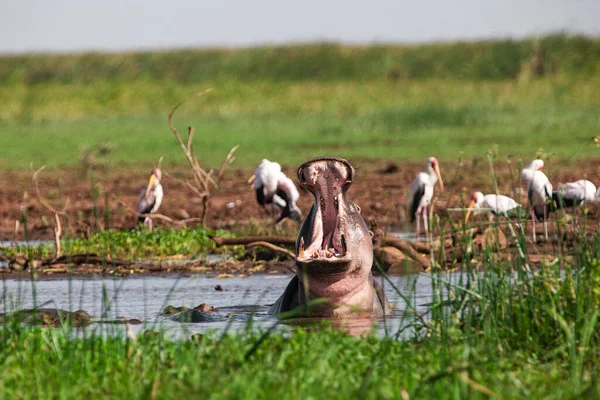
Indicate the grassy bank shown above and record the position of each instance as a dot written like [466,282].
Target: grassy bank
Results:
[295,102]
[293,122]
[130,245]
[498,333]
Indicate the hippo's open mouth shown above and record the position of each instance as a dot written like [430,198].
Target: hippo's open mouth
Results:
[325,240]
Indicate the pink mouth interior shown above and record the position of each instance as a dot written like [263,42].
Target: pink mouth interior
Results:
[326,180]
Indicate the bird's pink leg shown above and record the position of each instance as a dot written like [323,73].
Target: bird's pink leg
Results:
[545,223]
[533,224]
[426,224]
[418,226]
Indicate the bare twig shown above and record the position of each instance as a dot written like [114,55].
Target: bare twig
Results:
[169,220]
[57,234]
[244,240]
[189,186]
[273,247]
[43,202]
[228,161]
[57,213]
[203,179]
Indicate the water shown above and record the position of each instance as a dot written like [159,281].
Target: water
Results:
[145,297]
[404,235]
[23,243]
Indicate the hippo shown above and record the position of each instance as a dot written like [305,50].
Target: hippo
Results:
[334,250]
[49,317]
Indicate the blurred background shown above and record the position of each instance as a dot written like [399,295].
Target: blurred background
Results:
[387,80]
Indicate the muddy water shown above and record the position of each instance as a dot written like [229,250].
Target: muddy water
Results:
[144,297]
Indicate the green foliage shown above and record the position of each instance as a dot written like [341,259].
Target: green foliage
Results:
[503,331]
[299,121]
[490,60]
[134,244]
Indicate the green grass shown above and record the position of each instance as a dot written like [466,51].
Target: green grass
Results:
[499,333]
[294,102]
[131,245]
[293,122]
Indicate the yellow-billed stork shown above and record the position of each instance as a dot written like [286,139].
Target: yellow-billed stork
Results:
[421,193]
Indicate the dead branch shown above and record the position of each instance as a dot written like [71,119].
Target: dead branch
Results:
[79,259]
[228,161]
[43,202]
[200,195]
[406,247]
[169,220]
[58,228]
[203,179]
[57,234]
[276,249]
[245,240]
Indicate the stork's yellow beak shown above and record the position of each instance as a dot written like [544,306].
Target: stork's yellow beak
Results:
[150,184]
[251,180]
[437,172]
[471,205]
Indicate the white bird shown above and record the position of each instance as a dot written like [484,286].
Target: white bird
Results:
[421,193]
[272,186]
[574,194]
[151,198]
[499,204]
[286,190]
[539,193]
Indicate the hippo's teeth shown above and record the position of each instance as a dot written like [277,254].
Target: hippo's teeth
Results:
[301,250]
[335,202]
[315,175]
[344,245]
[315,254]
[328,254]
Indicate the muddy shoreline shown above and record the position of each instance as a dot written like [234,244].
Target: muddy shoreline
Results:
[380,189]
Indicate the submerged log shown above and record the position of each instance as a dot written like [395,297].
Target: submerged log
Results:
[79,259]
[407,248]
[276,249]
[380,239]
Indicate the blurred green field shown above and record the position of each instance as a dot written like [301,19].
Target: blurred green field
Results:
[55,106]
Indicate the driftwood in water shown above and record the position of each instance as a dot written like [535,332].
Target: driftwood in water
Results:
[91,259]
[20,263]
[245,240]
[270,246]
[380,239]
[407,248]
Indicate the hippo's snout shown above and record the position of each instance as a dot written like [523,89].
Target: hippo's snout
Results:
[333,224]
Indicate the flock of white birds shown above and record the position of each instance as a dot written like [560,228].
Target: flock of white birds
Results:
[274,188]
[542,198]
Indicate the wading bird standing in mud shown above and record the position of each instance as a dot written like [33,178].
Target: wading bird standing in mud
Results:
[496,203]
[539,193]
[273,187]
[574,194]
[421,193]
[150,198]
